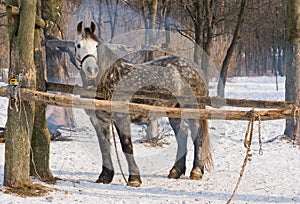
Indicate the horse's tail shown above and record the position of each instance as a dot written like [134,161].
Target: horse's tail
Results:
[206,147]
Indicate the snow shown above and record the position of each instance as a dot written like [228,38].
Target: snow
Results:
[270,178]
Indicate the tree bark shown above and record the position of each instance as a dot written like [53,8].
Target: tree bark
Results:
[57,70]
[20,123]
[113,16]
[207,37]
[55,66]
[100,23]
[225,64]
[199,26]
[292,86]
[40,142]
[149,20]
[166,19]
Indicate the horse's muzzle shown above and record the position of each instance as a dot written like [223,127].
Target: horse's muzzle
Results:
[92,71]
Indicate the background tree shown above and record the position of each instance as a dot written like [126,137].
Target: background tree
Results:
[292,91]
[112,10]
[20,123]
[56,68]
[230,51]
[149,16]
[3,42]
[40,142]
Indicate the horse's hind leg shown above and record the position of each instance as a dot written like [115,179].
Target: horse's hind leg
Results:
[122,124]
[197,134]
[181,137]
[101,126]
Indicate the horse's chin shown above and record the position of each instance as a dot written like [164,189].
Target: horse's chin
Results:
[91,82]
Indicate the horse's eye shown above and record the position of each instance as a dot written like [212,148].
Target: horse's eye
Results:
[78,46]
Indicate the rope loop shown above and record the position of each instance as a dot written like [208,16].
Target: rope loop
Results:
[247,144]
[296,115]
[260,152]
[13,91]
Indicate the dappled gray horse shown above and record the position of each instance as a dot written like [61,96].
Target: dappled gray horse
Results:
[119,80]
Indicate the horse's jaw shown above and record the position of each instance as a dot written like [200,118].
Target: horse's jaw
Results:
[91,82]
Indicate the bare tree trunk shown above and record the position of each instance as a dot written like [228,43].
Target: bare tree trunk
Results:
[207,37]
[149,20]
[20,123]
[201,14]
[292,86]
[55,62]
[198,24]
[225,64]
[50,12]
[113,16]
[40,142]
[99,23]
[166,18]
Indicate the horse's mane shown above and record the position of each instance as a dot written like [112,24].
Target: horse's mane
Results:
[89,34]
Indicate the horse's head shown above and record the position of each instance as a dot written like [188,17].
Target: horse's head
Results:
[86,45]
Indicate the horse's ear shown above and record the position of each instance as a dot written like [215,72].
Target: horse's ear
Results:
[79,28]
[93,27]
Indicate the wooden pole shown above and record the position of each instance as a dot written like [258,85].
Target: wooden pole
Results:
[133,108]
[165,96]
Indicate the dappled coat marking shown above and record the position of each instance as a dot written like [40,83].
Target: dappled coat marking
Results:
[119,80]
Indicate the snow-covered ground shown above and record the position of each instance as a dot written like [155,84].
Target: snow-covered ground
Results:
[271,178]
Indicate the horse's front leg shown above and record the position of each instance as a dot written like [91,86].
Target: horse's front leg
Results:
[101,125]
[122,124]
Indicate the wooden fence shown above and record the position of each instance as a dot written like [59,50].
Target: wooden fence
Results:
[273,110]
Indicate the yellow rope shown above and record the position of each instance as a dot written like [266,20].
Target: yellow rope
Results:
[116,151]
[248,156]
[259,136]
[296,124]
[114,138]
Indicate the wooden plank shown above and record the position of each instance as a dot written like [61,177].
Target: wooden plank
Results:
[58,43]
[133,108]
[165,96]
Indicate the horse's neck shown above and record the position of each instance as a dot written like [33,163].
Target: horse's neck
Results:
[106,57]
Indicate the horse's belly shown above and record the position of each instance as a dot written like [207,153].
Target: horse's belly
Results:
[139,119]
[146,118]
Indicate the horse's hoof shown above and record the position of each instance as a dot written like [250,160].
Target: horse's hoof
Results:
[106,176]
[175,173]
[196,173]
[134,181]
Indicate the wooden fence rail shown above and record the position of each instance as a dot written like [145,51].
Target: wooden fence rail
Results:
[133,108]
[163,96]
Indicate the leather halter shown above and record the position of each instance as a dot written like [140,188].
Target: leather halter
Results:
[81,61]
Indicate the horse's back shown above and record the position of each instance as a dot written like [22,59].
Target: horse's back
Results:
[188,71]
[173,74]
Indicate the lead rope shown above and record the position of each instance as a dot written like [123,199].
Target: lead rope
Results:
[13,91]
[260,152]
[247,145]
[296,123]
[115,141]
[116,149]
